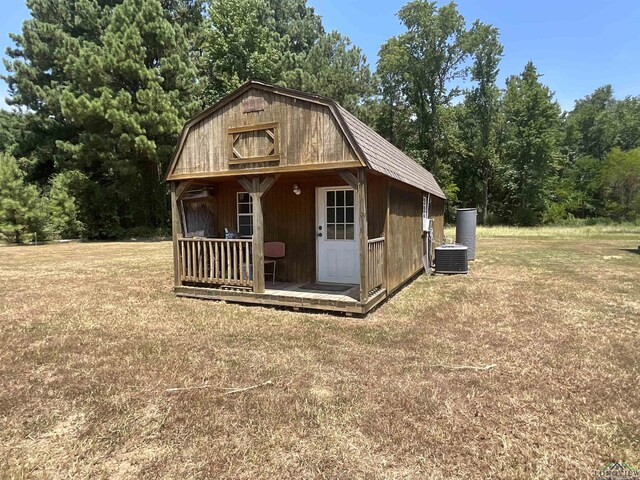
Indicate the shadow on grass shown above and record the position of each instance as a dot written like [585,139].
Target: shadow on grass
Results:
[631,250]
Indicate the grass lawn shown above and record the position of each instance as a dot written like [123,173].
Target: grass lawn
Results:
[91,337]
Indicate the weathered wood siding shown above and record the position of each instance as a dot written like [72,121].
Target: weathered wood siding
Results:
[288,218]
[292,219]
[405,243]
[376,204]
[306,133]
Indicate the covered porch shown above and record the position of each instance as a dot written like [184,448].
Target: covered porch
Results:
[284,208]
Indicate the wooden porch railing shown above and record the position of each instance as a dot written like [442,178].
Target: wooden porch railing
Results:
[375,258]
[215,261]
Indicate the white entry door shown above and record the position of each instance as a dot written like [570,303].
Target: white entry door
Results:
[337,234]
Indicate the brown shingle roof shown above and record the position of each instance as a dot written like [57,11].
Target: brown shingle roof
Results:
[382,156]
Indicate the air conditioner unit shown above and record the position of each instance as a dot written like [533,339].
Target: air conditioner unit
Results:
[451,259]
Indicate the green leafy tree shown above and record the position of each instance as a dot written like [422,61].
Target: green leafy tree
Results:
[427,61]
[620,177]
[626,116]
[482,105]
[19,203]
[242,44]
[394,119]
[281,42]
[589,129]
[597,124]
[531,133]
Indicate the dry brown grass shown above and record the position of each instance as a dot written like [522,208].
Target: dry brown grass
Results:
[91,336]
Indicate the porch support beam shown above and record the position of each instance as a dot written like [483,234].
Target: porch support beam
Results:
[350,178]
[181,188]
[257,188]
[364,236]
[267,183]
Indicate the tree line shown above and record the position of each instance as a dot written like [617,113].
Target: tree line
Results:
[100,89]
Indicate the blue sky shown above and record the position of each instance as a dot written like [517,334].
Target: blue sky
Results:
[576,45]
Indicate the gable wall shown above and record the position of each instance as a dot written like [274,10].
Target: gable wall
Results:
[308,134]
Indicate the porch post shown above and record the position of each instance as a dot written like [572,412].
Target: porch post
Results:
[258,237]
[386,236]
[364,235]
[257,189]
[176,231]
[178,189]
[175,227]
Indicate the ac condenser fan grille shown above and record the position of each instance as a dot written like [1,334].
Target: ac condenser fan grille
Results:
[451,259]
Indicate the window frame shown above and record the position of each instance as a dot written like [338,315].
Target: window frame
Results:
[426,203]
[244,214]
[344,223]
[236,133]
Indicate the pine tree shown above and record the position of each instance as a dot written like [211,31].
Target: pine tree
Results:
[19,202]
[38,75]
[336,69]
[107,85]
[62,209]
[130,96]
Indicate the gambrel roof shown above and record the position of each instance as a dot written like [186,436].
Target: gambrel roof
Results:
[373,150]
[382,156]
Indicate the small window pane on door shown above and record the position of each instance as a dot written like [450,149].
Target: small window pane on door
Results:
[349,232]
[349,217]
[349,199]
[340,215]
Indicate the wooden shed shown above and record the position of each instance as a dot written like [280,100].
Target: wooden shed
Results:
[269,167]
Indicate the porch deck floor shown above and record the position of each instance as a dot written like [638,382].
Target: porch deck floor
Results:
[290,289]
[289,294]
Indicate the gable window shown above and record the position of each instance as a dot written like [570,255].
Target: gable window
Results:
[245,214]
[254,144]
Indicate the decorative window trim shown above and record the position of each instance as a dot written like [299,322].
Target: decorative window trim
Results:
[244,214]
[235,133]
